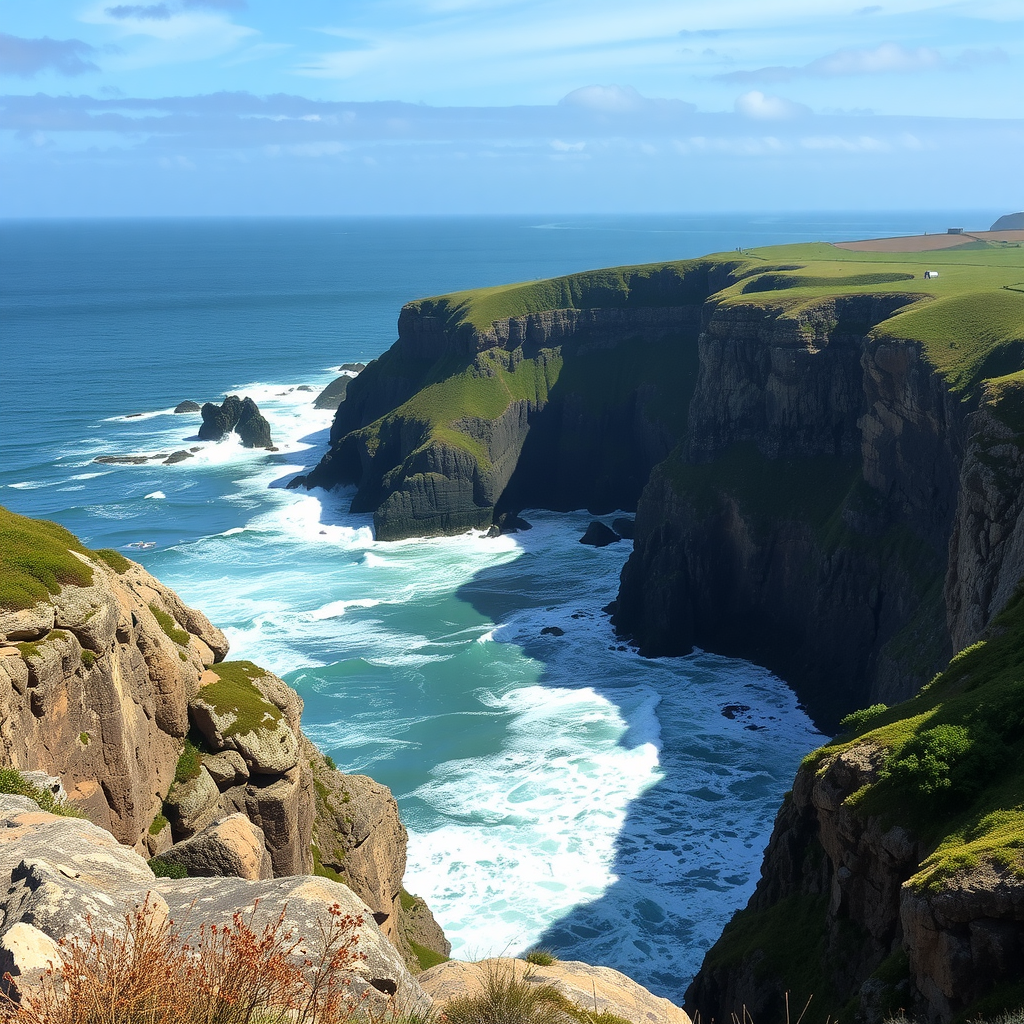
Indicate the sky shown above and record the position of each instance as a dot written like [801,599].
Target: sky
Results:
[508,106]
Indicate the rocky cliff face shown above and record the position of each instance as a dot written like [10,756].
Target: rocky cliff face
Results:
[118,689]
[893,879]
[563,407]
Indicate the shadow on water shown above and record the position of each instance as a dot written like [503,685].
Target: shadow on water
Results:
[689,849]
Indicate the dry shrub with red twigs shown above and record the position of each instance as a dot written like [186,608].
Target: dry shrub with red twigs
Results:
[152,973]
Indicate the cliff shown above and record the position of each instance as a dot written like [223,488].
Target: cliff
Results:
[112,685]
[894,878]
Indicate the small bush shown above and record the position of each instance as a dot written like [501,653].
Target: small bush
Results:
[12,781]
[540,957]
[167,869]
[329,761]
[158,824]
[189,763]
[88,659]
[944,761]
[509,997]
[857,722]
[83,738]
[234,974]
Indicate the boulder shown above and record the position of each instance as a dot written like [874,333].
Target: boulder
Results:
[624,527]
[176,457]
[592,989]
[509,523]
[334,394]
[598,535]
[187,406]
[219,420]
[192,805]
[232,846]
[252,426]
[353,367]
[227,768]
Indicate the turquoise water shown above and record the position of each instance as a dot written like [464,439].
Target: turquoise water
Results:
[559,790]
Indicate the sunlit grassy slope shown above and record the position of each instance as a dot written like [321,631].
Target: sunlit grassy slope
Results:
[970,319]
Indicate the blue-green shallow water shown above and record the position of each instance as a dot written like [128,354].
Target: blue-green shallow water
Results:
[556,789]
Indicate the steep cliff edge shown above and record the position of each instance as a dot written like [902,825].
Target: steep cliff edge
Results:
[560,393]
[109,682]
[894,878]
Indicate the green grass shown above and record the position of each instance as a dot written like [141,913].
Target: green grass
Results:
[539,957]
[30,649]
[407,900]
[954,759]
[189,763]
[158,824]
[89,658]
[114,559]
[169,626]
[426,957]
[323,870]
[83,738]
[12,781]
[166,869]
[37,558]
[234,694]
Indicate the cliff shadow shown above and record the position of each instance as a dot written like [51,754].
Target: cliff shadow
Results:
[689,847]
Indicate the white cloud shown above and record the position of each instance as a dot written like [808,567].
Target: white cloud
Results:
[760,107]
[887,58]
[607,99]
[567,147]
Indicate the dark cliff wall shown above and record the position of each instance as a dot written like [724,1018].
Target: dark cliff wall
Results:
[804,522]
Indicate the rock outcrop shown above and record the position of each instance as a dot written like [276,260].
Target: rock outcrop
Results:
[116,688]
[65,878]
[241,415]
[334,394]
[597,990]
[187,406]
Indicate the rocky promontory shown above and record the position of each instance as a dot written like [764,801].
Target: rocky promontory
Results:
[239,415]
[110,684]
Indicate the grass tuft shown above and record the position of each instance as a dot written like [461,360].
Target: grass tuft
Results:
[12,781]
[235,694]
[169,626]
[114,559]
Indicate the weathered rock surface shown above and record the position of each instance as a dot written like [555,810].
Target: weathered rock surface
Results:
[98,693]
[103,688]
[230,846]
[67,877]
[596,989]
[252,426]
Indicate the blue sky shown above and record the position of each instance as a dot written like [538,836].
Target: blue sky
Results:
[263,106]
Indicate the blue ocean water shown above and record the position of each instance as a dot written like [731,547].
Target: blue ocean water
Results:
[557,789]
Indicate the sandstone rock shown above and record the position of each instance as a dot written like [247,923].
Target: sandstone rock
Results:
[611,991]
[187,406]
[192,805]
[598,535]
[26,952]
[28,623]
[332,395]
[227,768]
[269,747]
[231,846]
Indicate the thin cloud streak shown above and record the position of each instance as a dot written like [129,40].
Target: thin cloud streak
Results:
[27,57]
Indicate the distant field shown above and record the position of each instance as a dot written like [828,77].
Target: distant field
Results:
[931,243]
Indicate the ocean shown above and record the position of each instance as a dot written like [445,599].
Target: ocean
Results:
[559,791]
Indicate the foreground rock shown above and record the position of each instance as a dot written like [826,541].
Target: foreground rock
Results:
[115,688]
[595,989]
[67,878]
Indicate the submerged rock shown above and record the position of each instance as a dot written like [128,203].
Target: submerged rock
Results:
[599,535]
[175,457]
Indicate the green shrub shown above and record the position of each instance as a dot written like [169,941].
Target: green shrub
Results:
[83,738]
[234,693]
[12,781]
[114,559]
[88,659]
[858,721]
[169,626]
[540,957]
[158,825]
[166,869]
[946,760]
[189,763]
[329,761]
